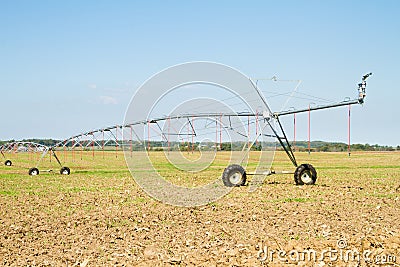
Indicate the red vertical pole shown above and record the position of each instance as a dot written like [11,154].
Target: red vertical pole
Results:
[348,136]
[131,145]
[248,131]
[148,136]
[65,143]
[294,130]
[169,125]
[216,133]
[73,154]
[183,140]
[188,131]
[116,141]
[102,142]
[220,132]
[93,145]
[192,135]
[309,128]
[256,127]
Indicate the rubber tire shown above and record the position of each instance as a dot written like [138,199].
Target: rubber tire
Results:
[8,162]
[33,171]
[230,171]
[65,171]
[305,174]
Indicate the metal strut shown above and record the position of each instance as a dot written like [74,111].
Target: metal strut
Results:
[191,126]
[55,156]
[286,147]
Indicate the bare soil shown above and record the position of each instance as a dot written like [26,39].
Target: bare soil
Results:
[98,216]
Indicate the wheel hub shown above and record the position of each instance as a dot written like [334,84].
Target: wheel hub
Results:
[235,178]
[306,177]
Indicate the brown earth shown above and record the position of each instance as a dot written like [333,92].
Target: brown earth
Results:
[98,216]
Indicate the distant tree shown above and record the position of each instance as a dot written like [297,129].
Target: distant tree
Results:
[226,146]
[256,147]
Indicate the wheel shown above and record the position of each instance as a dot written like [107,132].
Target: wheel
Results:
[305,174]
[234,175]
[65,171]
[8,163]
[33,171]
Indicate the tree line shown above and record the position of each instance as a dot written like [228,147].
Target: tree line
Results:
[317,146]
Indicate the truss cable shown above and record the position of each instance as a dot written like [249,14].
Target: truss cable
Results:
[317,98]
[291,95]
[225,100]
[187,135]
[261,96]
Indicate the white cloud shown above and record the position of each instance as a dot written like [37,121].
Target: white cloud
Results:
[108,100]
[92,86]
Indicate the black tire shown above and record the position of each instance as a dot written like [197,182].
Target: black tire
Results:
[65,171]
[305,174]
[8,163]
[33,171]
[234,175]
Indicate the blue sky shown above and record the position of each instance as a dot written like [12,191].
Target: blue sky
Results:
[72,66]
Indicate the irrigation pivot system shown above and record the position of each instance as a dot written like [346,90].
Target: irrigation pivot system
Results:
[201,129]
[30,148]
[304,173]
